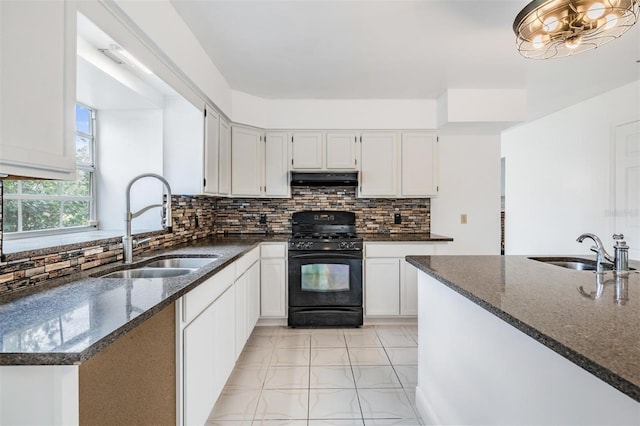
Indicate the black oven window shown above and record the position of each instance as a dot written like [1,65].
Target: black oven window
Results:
[325,277]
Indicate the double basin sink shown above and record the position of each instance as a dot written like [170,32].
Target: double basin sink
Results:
[163,268]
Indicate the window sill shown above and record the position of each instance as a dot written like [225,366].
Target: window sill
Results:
[10,246]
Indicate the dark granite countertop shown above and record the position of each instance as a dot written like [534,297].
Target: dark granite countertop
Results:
[71,321]
[404,238]
[74,317]
[544,301]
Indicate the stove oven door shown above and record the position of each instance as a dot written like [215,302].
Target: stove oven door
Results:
[325,288]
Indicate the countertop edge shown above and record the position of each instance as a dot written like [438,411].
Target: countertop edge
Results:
[603,373]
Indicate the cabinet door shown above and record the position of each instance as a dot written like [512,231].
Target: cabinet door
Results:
[224,160]
[382,287]
[273,275]
[419,164]
[198,368]
[211,151]
[306,150]
[38,86]
[341,150]
[378,164]
[224,334]
[276,175]
[408,289]
[241,313]
[246,161]
[253,297]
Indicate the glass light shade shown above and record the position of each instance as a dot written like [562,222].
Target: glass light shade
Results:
[555,28]
[596,10]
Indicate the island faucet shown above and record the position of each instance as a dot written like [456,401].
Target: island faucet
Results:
[620,260]
[128,242]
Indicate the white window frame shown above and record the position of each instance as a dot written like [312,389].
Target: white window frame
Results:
[91,198]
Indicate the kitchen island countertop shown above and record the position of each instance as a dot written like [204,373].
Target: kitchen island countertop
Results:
[542,300]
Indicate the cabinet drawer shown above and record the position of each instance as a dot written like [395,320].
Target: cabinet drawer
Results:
[274,250]
[202,296]
[246,261]
[399,249]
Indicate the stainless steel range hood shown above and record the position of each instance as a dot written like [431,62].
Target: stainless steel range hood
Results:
[324,179]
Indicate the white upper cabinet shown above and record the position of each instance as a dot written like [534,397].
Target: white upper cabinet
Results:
[396,165]
[276,171]
[306,150]
[259,163]
[419,154]
[341,150]
[224,171]
[379,164]
[314,151]
[211,151]
[38,89]
[246,162]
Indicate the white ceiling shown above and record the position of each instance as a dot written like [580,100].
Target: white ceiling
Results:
[395,49]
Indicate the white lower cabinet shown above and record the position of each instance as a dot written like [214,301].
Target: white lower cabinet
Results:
[253,296]
[273,280]
[224,350]
[390,287]
[241,314]
[215,320]
[198,378]
[382,295]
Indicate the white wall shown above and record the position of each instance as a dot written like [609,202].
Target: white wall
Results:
[351,113]
[469,184]
[129,144]
[558,175]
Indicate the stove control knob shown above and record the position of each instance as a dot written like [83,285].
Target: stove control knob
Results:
[344,245]
[300,245]
[308,245]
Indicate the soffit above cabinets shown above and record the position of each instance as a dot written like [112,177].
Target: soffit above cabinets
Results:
[104,84]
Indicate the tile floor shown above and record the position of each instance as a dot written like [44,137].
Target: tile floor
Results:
[360,376]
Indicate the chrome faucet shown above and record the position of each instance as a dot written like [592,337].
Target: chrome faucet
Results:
[128,242]
[620,260]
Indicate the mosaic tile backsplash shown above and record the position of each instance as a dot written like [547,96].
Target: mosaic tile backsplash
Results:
[372,215]
[193,218]
[196,217]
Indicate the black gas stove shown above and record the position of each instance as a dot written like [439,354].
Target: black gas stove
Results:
[324,230]
[325,270]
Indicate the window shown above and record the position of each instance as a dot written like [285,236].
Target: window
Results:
[46,206]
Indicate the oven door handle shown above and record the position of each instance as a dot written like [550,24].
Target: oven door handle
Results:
[325,255]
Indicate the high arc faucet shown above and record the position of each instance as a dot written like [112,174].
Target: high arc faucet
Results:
[128,242]
[619,262]
[598,249]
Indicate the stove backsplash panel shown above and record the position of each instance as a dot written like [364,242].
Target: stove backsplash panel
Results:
[242,215]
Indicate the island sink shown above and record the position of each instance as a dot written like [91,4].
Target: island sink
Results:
[574,263]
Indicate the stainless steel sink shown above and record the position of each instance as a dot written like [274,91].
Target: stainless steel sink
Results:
[181,262]
[149,273]
[574,263]
[163,268]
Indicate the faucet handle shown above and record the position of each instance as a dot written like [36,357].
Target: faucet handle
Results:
[618,237]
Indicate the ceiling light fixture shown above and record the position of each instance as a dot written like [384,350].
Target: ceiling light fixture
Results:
[122,57]
[555,28]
